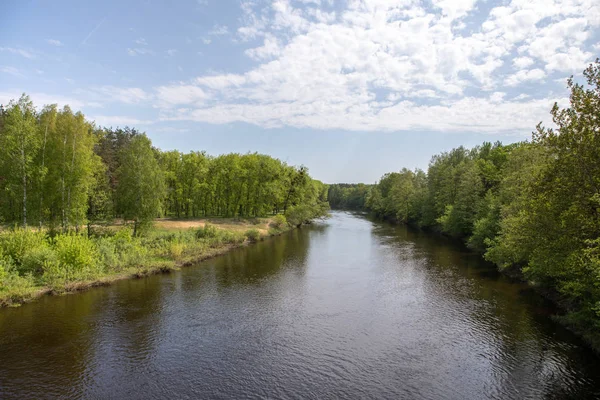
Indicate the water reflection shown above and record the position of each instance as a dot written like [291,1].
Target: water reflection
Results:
[348,308]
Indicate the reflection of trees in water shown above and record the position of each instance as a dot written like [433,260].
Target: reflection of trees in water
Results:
[59,346]
[46,347]
[529,354]
[258,261]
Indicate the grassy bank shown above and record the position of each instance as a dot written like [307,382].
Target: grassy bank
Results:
[34,263]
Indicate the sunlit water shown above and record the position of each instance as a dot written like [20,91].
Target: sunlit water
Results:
[347,308]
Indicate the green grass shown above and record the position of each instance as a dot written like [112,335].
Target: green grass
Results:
[32,263]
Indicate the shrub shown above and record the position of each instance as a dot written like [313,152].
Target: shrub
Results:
[17,243]
[107,252]
[3,274]
[77,257]
[208,231]
[278,222]
[253,235]
[35,259]
[176,250]
[232,237]
[19,288]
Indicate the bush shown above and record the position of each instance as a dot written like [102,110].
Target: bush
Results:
[208,231]
[232,237]
[77,257]
[253,235]
[176,250]
[35,260]
[19,288]
[107,252]
[16,244]
[278,222]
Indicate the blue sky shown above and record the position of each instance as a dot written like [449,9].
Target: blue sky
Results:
[351,89]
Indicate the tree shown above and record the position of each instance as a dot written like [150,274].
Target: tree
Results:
[141,185]
[19,144]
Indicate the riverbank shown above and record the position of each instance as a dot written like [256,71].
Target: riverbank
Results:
[33,265]
[568,315]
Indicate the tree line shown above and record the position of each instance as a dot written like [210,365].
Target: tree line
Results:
[533,206]
[61,171]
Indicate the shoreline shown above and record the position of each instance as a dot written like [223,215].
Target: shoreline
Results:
[514,273]
[163,267]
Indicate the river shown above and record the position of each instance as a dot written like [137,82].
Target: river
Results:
[345,308]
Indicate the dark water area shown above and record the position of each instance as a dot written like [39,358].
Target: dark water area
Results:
[347,308]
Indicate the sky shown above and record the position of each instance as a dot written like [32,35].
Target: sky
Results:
[351,89]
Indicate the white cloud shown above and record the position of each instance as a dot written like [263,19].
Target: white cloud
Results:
[171,52]
[391,65]
[12,71]
[136,51]
[41,99]
[219,30]
[169,96]
[141,42]
[126,95]
[21,52]
[522,62]
[270,48]
[54,42]
[114,94]
[326,69]
[115,120]
[525,76]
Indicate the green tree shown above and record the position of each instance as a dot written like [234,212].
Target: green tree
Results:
[19,145]
[141,184]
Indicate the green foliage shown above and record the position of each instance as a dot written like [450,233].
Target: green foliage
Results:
[229,237]
[530,205]
[253,235]
[140,187]
[348,196]
[207,231]
[279,221]
[77,258]
[25,248]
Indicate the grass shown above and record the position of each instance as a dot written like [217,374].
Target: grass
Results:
[32,264]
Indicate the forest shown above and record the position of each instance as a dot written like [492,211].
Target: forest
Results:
[78,201]
[531,207]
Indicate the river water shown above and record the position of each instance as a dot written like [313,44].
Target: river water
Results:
[346,308]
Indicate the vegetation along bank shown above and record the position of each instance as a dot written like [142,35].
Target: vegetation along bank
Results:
[532,206]
[78,203]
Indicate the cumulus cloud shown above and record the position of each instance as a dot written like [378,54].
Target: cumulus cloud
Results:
[525,76]
[456,65]
[327,68]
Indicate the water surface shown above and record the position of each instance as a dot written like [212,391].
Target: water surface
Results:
[348,308]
